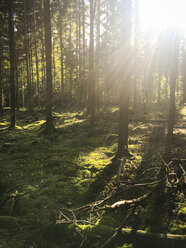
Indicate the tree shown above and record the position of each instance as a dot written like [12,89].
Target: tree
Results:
[92,85]
[1,72]
[184,73]
[61,49]
[173,76]
[48,52]
[12,62]
[124,77]
[37,60]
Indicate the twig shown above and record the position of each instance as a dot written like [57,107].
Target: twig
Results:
[182,169]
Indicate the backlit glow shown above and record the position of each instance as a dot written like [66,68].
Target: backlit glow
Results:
[163,14]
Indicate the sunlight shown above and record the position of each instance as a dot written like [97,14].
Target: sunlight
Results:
[163,14]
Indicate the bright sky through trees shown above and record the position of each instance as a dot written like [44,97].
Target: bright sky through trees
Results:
[158,15]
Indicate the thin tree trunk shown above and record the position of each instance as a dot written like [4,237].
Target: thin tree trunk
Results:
[92,85]
[80,86]
[37,62]
[136,36]
[98,50]
[28,56]
[61,51]
[17,83]
[23,85]
[159,87]
[1,75]
[31,79]
[77,41]
[84,54]
[54,65]
[48,52]
[166,85]
[70,67]
[43,61]
[184,74]
[12,64]
[173,77]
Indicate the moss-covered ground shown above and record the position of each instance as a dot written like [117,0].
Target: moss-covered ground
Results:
[41,175]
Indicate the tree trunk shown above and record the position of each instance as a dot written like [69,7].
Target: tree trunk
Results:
[54,65]
[80,86]
[48,52]
[70,67]
[31,78]
[43,62]
[61,50]
[92,85]
[77,41]
[173,77]
[136,37]
[1,75]
[84,54]
[23,85]
[37,62]
[124,78]
[28,56]
[159,86]
[98,38]
[12,64]
[166,85]
[17,84]
[184,74]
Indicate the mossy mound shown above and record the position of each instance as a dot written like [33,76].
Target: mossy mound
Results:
[9,222]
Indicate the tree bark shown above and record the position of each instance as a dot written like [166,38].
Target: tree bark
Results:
[12,63]
[54,65]
[92,85]
[159,86]
[136,37]
[184,74]
[17,84]
[61,51]
[37,61]
[124,64]
[84,53]
[1,75]
[48,52]
[173,77]
[97,60]
[77,41]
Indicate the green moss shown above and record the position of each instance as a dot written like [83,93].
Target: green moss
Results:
[104,232]
[126,245]
[53,172]
[109,220]
[8,222]
[178,227]
[55,236]
[182,213]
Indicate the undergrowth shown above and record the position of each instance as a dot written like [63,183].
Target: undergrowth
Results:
[43,174]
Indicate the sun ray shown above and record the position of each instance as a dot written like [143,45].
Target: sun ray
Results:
[160,15]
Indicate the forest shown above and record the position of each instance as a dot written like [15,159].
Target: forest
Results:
[92,123]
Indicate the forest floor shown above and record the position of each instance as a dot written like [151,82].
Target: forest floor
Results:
[42,175]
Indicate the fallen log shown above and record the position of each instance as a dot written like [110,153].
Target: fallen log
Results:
[144,239]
